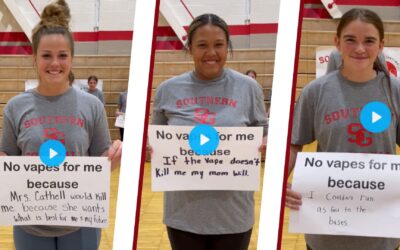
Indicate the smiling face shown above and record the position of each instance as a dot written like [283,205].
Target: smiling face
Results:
[53,61]
[359,44]
[209,49]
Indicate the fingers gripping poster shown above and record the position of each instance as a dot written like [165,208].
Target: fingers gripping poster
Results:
[347,194]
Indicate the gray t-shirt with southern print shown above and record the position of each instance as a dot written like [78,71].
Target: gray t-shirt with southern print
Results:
[74,118]
[232,99]
[328,111]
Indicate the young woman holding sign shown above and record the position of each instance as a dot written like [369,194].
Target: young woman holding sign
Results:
[53,51]
[361,79]
[209,219]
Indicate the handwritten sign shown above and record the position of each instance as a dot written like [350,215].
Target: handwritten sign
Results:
[234,165]
[347,194]
[120,121]
[74,194]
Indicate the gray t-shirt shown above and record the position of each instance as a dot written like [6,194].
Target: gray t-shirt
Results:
[98,93]
[328,111]
[232,99]
[75,118]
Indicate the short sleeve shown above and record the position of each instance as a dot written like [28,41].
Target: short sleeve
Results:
[158,115]
[100,140]
[259,115]
[102,97]
[9,137]
[303,131]
[395,83]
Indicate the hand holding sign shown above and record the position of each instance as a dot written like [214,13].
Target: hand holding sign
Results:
[114,153]
[293,198]
[120,120]
[36,194]
[347,194]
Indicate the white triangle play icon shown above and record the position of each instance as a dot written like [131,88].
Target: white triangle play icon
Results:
[203,139]
[52,153]
[375,117]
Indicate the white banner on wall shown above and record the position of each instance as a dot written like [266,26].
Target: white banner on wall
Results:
[392,57]
[347,194]
[322,54]
[235,164]
[74,194]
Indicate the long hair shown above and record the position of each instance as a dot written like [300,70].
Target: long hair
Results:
[370,17]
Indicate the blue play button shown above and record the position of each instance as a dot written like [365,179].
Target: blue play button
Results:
[52,153]
[203,139]
[375,117]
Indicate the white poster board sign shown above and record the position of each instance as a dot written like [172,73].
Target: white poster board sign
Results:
[235,165]
[321,59]
[392,57]
[74,194]
[120,121]
[78,83]
[347,194]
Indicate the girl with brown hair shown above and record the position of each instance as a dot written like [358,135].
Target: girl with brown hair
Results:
[203,220]
[53,51]
[361,79]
